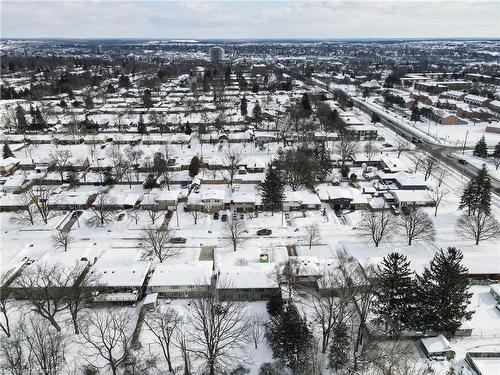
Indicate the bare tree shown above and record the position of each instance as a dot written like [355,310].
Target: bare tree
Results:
[105,335]
[441,175]
[481,226]
[346,147]
[195,214]
[79,296]
[60,160]
[14,354]
[135,214]
[43,287]
[5,311]
[377,225]
[181,343]
[496,158]
[134,156]
[156,244]
[313,234]
[234,229]
[437,194]
[256,328]
[402,146]
[119,163]
[417,225]
[219,332]
[47,346]
[153,212]
[27,208]
[101,208]
[232,161]
[62,239]
[371,150]
[163,325]
[429,164]
[43,199]
[330,305]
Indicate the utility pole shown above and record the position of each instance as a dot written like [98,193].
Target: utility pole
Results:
[465,141]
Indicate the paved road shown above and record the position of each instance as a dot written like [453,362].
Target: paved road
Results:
[439,152]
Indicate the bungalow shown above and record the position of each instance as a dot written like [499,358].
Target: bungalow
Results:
[480,101]
[13,184]
[404,180]
[181,280]
[484,362]
[121,277]
[210,200]
[72,201]
[437,346]
[310,201]
[362,132]
[292,201]
[167,200]
[408,198]
[244,201]
[247,283]
[454,94]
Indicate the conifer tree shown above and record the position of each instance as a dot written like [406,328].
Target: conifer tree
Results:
[7,152]
[194,166]
[141,126]
[481,149]
[394,297]
[243,106]
[415,114]
[306,104]
[187,129]
[289,337]
[375,118]
[21,119]
[257,112]
[338,354]
[476,197]
[272,190]
[442,294]
[146,99]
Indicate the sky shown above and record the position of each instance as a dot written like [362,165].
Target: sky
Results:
[250,19]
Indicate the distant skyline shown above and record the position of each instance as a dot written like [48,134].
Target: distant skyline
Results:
[304,19]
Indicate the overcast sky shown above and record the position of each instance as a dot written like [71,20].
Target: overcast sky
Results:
[250,19]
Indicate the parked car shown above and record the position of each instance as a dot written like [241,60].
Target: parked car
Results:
[184,186]
[242,216]
[264,232]
[387,145]
[121,216]
[216,216]
[223,217]
[462,161]
[178,240]
[395,210]
[76,214]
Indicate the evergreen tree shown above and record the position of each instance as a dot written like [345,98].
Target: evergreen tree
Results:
[323,164]
[255,88]
[272,190]
[476,197]
[257,112]
[7,152]
[146,99]
[22,123]
[375,118]
[339,347]
[394,295]
[442,293]
[305,103]
[124,81]
[275,305]
[289,337]
[481,149]
[63,104]
[187,129]
[111,89]
[141,126]
[243,106]
[415,114]
[194,166]
[89,102]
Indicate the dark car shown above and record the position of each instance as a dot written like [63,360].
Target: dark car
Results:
[264,232]
[462,161]
[216,216]
[387,145]
[224,217]
[177,240]
[76,214]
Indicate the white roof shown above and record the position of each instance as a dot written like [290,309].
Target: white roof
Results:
[436,344]
[198,273]
[254,275]
[217,194]
[411,195]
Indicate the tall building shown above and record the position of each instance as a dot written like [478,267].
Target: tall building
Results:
[216,54]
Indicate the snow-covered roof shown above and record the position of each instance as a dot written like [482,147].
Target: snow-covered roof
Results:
[198,273]
[412,196]
[251,276]
[438,344]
